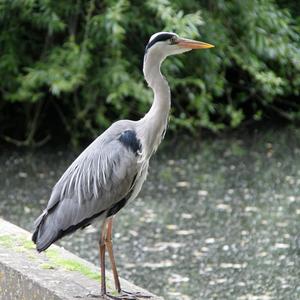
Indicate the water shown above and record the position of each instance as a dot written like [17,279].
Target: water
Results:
[217,219]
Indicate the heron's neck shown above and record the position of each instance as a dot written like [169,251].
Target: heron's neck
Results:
[156,81]
[155,121]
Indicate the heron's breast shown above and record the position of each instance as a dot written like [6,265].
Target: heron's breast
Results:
[140,179]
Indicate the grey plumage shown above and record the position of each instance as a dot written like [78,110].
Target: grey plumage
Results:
[102,175]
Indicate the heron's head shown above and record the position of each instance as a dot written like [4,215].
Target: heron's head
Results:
[168,43]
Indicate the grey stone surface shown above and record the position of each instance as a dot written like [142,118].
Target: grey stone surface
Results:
[52,275]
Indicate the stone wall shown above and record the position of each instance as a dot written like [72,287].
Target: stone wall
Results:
[52,275]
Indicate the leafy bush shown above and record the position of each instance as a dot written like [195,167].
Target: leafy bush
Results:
[75,67]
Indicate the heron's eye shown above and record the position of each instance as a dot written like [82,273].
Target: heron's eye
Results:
[173,40]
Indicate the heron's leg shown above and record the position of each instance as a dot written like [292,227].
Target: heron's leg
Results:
[124,294]
[102,257]
[108,243]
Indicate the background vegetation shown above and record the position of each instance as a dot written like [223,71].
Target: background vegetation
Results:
[70,68]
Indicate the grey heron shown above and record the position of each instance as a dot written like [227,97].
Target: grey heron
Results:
[110,172]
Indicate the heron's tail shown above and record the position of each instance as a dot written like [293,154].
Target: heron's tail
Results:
[50,226]
[44,234]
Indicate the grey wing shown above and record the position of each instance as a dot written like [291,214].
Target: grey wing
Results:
[95,184]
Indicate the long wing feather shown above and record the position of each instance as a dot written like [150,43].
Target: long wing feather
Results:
[98,179]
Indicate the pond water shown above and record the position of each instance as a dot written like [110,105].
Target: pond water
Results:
[216,219]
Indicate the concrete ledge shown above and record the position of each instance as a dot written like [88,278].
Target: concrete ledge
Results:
[51,275]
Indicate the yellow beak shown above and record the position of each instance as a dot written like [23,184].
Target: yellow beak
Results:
[191,44]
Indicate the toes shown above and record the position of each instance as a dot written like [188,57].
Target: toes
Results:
[136,295]
[124,295]
[119,297]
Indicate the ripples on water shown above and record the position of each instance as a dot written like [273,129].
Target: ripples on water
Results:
[217,219]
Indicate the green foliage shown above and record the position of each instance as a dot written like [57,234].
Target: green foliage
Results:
[80,62]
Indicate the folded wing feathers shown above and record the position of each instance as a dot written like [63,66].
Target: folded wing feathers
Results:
[97,179]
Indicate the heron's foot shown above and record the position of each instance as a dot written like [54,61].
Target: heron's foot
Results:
[124,295]
[117,297]
[136,295]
